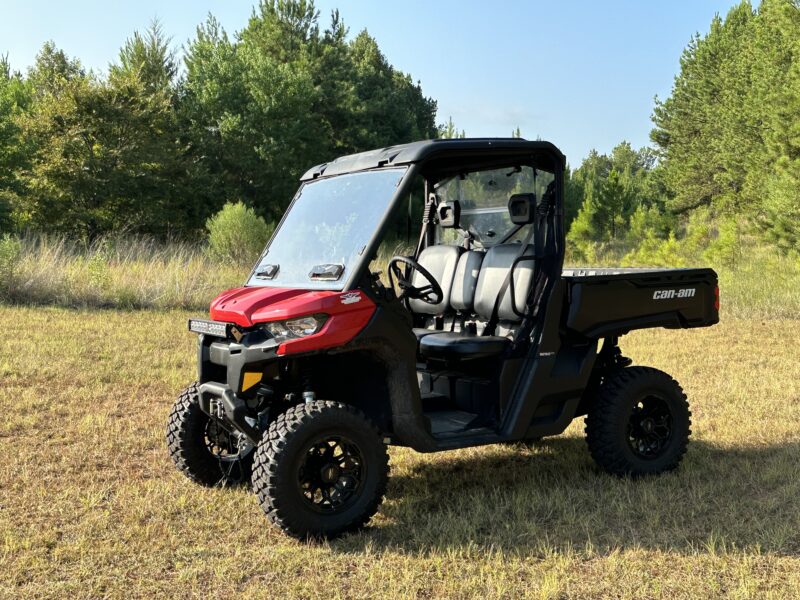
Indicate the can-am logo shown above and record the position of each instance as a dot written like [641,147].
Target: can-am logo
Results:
[350,297]
[670,294]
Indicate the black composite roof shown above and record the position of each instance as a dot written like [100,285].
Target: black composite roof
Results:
[405,154]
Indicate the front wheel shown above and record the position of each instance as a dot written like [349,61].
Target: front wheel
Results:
[639,423]
[320,470]
[202,449]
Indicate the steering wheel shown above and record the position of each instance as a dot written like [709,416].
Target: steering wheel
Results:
[429,294]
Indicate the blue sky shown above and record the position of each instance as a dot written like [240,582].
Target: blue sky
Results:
[581,74]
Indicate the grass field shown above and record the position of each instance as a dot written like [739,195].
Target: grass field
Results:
[91,506]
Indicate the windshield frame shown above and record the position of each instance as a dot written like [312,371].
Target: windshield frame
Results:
[353,273]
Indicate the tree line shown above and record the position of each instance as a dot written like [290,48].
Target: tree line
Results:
[157,145]
[725,160]
[150,147]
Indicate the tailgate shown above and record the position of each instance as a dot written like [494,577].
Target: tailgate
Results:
[606,302]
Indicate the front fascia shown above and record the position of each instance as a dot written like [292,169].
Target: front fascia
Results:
[346,313]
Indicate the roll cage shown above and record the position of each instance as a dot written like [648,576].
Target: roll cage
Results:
[436,160]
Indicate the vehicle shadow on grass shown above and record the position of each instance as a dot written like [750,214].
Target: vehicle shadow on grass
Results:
[553,498]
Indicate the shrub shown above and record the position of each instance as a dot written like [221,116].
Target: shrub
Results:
[10,251]
[236,234]
[725,250]
[6,202]
[655,252]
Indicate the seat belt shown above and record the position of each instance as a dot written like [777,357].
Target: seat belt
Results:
[491,324]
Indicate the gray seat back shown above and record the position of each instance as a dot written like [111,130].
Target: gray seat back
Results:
[440,262]
[495,267]
[462,295]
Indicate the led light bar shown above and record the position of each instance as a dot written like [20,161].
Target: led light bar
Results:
[214,328]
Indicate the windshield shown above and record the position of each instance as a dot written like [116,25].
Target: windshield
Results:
[322,238]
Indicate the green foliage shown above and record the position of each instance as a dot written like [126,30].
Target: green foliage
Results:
[105,155]
[728,144]
[656,252]
[728,135]
[236,234]
[15,97]
[10,251]
[149,58]
[616,198]
[141,150]
[726,248]
[449,131]
[647,221]
[284,95]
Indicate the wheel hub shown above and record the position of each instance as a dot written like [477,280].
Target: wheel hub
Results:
[650,427]
[330,475]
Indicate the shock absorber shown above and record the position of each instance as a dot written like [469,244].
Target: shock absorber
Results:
[308,390]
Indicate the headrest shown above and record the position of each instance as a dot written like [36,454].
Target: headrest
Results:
[522,208]
[449,214]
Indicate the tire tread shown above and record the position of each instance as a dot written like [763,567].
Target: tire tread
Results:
[270,451]
[606,412]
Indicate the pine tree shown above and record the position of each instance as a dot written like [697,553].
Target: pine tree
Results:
[449,131]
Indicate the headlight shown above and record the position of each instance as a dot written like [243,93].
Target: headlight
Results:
[295,328]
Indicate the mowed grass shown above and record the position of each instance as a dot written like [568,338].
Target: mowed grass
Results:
[91,506]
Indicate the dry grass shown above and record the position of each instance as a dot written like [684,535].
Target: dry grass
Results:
[90,505]
[140,273]
[125,272]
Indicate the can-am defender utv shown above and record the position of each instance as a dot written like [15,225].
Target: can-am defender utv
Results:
[311,369]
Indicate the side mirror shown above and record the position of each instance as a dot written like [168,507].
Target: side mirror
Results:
[522,208]
[449,214]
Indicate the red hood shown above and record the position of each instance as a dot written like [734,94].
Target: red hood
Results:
[247,306]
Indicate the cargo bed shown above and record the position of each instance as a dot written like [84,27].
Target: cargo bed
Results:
[611,301]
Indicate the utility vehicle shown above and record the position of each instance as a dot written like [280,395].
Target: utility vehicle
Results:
[475,335]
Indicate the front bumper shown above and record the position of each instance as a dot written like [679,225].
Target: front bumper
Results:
[227,370]
[228,361]
[217,400]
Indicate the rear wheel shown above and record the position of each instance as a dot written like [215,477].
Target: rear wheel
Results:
[320,470]
[202,448]
[639,423]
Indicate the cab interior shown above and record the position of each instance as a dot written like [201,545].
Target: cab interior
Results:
[482,248]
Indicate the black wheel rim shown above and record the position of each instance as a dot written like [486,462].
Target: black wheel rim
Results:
[331,474]
[222,444]
[650,427]
[227,449]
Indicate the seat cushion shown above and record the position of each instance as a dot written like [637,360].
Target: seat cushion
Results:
[421,332]
[461,346]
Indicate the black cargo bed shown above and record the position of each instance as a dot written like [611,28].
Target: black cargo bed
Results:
[606,302]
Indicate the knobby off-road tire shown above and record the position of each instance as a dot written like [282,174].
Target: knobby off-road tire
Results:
[639,423]
[320,470]
[188,429]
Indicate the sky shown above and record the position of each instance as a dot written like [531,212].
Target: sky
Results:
[582,74]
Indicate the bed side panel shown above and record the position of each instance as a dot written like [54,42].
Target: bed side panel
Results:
[613,304]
